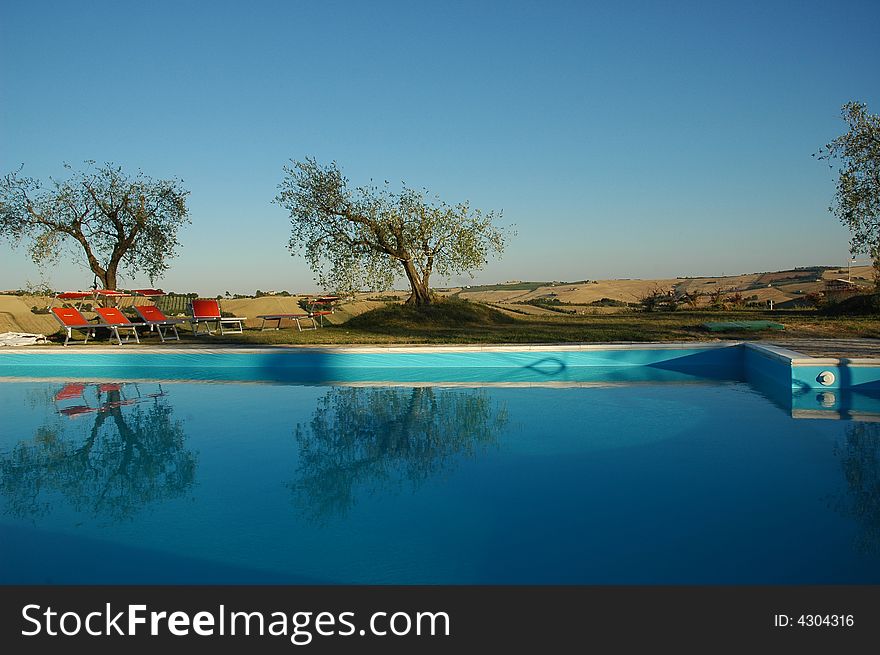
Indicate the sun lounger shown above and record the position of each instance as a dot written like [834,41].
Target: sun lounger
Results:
[110,295]
[70,391]
[114,319]
[110,396]
[206,311]
[154,318]
[296,318]
[70,320]
[76,410]
[148,293]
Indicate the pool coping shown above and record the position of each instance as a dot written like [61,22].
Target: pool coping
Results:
[778,353]
[374,348]
[796,358]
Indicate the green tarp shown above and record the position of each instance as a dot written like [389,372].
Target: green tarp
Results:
[728,326]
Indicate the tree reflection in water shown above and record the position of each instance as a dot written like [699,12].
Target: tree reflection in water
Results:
[860,459]
[363,440]
[131,454]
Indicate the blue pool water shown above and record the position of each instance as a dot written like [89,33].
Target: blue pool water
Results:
[699,481]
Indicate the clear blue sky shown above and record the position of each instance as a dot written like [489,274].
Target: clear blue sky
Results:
[624,139]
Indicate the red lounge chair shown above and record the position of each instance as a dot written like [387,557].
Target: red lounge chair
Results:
[114,319]
[148,293]
[153,316]
[296,318]
[208,311]
[77,410]
[106,295]
[70,320]
[70,391]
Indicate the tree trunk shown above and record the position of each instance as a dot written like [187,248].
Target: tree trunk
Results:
[875,264]
[421,293]
[108,279]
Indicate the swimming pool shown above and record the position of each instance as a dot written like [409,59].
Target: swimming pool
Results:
[545,471]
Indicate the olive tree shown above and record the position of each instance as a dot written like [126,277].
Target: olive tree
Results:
[857,196]
[370,236]
[371,440]
[131,456]
[111,219]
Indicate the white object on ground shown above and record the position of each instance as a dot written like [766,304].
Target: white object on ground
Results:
[21,339]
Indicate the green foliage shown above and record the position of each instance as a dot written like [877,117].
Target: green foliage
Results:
[544,302]
[864,305]
[259,293]
[112,219]
[660,300]
[857,196]
[716,297]
[691,298]
[609,302]
[369,236]
[384,298]
[736,300]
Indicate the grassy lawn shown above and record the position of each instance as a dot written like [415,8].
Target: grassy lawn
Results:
[674,326]
[473,323]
